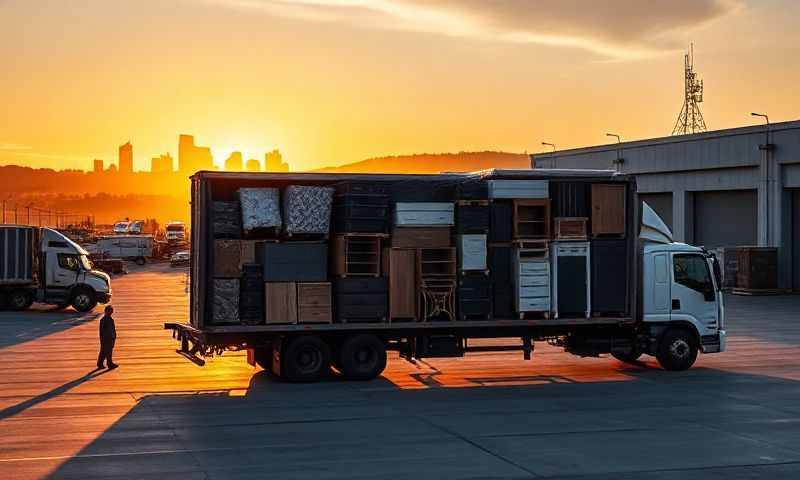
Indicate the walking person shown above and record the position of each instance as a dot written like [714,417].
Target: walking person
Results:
[108,335]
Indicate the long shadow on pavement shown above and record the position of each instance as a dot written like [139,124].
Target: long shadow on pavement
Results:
[32,402]
[703,423]
[21,327]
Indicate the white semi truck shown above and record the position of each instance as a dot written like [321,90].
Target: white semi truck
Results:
[42,265]
[666,295]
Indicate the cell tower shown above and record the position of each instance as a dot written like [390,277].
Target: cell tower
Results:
[690,120]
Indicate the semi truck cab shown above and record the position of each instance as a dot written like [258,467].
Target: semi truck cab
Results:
[67,276]
[681,288]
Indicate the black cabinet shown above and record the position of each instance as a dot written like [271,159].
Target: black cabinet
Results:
[502,284]
[361,208]
[610,276]
[472,218]
[293,262]
[474,296]
[361,299]
[570,199]
[572,279]
[502,214]
[251,295]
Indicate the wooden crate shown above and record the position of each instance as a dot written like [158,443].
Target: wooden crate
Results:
[357,255]
[608,210]
[531,219]
[570,228]
[281,302]
[421,237]
[227,258]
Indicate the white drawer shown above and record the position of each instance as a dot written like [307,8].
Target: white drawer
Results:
[534,267]
[424,207]
[534,281]
[534,305]
[472,250]
[534,291]
[423,218]
[518,189]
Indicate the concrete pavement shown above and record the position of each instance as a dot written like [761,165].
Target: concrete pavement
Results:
[733,416]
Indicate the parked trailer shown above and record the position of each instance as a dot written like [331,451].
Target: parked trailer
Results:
[137,248]
[42,265]
[608,279]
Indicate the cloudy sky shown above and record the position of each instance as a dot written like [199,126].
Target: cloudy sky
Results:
[335,81]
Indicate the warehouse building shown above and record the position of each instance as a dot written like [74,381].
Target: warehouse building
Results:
[739,186]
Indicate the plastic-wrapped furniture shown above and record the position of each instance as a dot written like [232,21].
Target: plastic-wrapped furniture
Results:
[226,301]
[307,209]
[260,209]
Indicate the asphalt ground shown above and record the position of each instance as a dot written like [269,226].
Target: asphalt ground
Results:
[735,415]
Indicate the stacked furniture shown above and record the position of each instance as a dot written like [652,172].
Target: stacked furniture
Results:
[608,210]
[226,301]
[473,220]
[356,255]
[436,268]
[399,268]
[474,296]
[261,213]
[610,265]
[757,270]
[361,208]
[502,281]
[307,210]
[251,295]
[314,302]
[226,219]
[571,279]
[531,275]
[362,299]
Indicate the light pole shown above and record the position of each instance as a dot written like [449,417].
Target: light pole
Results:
[618,161]
[764,238]
[547,144]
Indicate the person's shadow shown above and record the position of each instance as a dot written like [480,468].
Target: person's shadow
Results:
[22,406]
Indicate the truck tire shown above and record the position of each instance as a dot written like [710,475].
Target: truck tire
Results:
[677,349]
[84,300]
[305,359]
[263,357]
[362,357]
[20,300]
[140,261]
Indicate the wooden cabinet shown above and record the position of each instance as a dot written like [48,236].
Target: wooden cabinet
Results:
[357,255]
[421,237]
[281,302]
[608,210]
[570,228]
[314,303]
[531,219]
[400,268]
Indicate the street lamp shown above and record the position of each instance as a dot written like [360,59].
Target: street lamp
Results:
[615,136]
[549,145]
[618,162]
[762,115]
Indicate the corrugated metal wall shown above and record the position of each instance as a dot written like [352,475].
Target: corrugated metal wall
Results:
[661,203]
[726,218]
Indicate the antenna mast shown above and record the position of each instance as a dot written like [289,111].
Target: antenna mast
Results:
[690,120]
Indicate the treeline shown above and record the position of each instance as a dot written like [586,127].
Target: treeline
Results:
[106,207]
[435,163]
[16,179]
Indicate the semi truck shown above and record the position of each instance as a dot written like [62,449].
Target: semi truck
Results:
[42,265]
[615,280]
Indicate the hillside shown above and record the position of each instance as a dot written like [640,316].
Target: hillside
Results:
[434,163]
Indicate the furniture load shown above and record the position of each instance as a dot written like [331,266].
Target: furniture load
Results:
[423,214]
[307,210]
[360,300]
[260,210]
[531,281]
[356,255]
[757,270]
[608,210]
[472,252]
[571,279]
[495,253]
[515,189]
[294,261]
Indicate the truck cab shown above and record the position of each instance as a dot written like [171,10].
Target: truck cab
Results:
[682,300]
[175,232]
[67,276]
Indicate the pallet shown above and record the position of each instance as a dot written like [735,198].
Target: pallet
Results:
[357,234]
[359,275]
[361,320]
[476,317]
[472,203]
[534,315]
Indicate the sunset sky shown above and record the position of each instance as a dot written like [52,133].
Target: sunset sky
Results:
[335,81]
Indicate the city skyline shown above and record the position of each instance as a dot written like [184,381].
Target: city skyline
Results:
[333,82]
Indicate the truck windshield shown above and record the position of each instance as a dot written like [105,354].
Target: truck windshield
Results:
[692,272]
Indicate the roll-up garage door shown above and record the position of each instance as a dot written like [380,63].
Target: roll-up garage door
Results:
[661,203]
[726,218]
[796,239]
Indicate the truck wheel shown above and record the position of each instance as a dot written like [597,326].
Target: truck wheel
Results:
[362,357]
[20,300]
[84,300]
[306,359]
[263,357]
[140,261]
[677,349]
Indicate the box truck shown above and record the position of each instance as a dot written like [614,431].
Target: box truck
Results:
[42,265]
[137,248]
[426,264]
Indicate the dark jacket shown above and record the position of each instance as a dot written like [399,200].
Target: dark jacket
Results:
[108,331]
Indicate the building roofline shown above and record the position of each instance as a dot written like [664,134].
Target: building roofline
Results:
[610,147]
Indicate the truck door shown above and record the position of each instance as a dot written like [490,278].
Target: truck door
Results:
[657,280]
[62,272]
[693,293]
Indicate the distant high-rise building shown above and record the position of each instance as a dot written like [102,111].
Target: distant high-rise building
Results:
[192,158]
[98,166]
[253,165]
[112,168]
[234,162]
[273,162]
[161,164]
[126,158]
